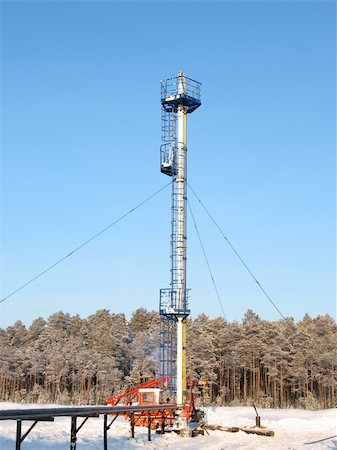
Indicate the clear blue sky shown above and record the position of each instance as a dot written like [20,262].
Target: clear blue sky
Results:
[80,147]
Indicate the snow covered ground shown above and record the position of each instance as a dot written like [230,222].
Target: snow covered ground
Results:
[294,429]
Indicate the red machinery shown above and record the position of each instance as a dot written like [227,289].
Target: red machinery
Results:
[150,393]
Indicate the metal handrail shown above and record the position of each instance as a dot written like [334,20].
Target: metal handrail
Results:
[170,87]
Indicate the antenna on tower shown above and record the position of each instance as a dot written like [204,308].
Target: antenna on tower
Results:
[179,96]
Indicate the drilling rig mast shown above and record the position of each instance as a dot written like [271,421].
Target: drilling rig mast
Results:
[179,96]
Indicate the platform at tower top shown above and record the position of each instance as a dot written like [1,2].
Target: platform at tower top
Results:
[180,91]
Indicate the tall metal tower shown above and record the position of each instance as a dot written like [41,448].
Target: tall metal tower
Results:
[179,96]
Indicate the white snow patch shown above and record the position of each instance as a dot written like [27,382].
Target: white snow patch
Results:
[294,430]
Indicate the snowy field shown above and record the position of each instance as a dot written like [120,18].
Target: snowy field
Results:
[294,429]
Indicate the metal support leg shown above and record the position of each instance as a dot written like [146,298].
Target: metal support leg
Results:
[105,432]
[149,426]
[162,430]
[73,433]
[132,422]
[21,437]
[106,429]
[18,434]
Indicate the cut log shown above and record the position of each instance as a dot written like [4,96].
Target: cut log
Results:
[260,431]
[221,428]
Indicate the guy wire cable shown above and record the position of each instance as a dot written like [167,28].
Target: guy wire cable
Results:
[86,242]
[237,254]
[297,334]
[209,267]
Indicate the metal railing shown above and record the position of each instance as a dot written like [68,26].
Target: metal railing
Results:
[173,86]
[170,299]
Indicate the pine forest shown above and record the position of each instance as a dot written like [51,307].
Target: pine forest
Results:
[71,360]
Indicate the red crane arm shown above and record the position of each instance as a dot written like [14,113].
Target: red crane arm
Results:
[131,394]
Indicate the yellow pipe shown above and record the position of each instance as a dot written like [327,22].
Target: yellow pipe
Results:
[184,370]
[184,383]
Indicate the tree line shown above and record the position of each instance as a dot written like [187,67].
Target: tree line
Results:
[72,360]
